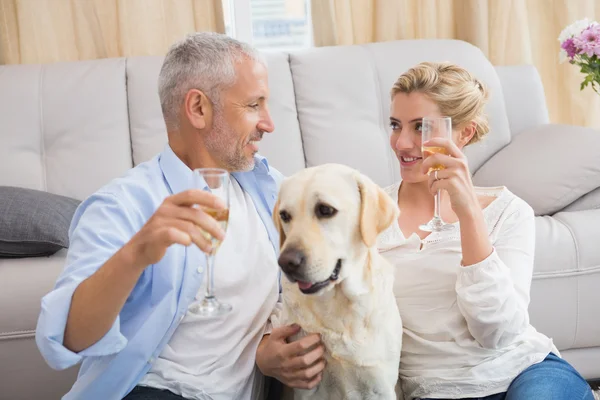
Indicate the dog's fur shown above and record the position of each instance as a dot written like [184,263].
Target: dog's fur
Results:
[355,314]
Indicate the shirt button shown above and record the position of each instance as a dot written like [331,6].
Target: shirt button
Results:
[200,270]
[151,360]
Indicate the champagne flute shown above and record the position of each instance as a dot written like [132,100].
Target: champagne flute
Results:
[433,127]
[217,181]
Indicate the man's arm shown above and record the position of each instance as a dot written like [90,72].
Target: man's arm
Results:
[108,252]
[99,299]
[99,228]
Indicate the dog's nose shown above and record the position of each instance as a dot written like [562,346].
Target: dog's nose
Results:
[291,260]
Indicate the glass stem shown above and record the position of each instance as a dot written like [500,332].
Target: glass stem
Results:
[436,208]
[210,262]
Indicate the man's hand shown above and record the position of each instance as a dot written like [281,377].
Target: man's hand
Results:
[177,221]
[297,364]
[99,299]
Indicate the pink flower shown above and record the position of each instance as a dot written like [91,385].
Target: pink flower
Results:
[569,47]
[589,41]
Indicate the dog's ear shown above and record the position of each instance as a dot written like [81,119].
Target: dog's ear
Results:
[277,222]
[377,209]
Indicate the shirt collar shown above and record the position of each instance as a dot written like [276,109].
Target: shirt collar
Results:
[261,165]
[179,176]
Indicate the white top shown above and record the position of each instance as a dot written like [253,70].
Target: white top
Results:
[466,329]
[215,358]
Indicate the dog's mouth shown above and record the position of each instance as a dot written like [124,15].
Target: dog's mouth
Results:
[310,288]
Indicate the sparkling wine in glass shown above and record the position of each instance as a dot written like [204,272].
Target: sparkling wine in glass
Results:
[217,181]
[433,127]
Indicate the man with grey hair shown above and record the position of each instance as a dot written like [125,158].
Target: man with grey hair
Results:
[134,265]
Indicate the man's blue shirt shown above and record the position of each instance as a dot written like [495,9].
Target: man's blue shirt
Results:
[102,224]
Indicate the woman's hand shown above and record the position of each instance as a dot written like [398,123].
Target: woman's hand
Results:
[455,178]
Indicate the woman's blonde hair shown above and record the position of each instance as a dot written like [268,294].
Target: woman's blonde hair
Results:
[457,93]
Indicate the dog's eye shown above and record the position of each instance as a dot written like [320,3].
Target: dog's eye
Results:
[285,216]
[325,211]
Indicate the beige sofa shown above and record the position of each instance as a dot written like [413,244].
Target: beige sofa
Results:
[68,128]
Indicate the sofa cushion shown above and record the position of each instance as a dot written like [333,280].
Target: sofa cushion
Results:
[64,126]
[33,222]
[23,293]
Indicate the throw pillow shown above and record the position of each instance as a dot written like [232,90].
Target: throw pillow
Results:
[549,166]
[33,223]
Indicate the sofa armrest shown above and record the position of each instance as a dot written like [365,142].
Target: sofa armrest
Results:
[549,166]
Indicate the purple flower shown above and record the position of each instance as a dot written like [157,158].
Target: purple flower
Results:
[569,47]
[589,41]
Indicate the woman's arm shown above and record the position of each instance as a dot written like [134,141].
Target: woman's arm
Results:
[474,239]
[493,285]
[493,294]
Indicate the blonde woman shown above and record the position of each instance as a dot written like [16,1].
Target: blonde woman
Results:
[463,294]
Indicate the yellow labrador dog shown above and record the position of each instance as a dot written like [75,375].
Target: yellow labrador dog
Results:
[336,283]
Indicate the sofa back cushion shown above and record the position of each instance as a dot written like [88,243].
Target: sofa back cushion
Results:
[342,95]
[69,128]
[64,126]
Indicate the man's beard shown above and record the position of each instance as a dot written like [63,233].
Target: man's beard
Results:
[222,145]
